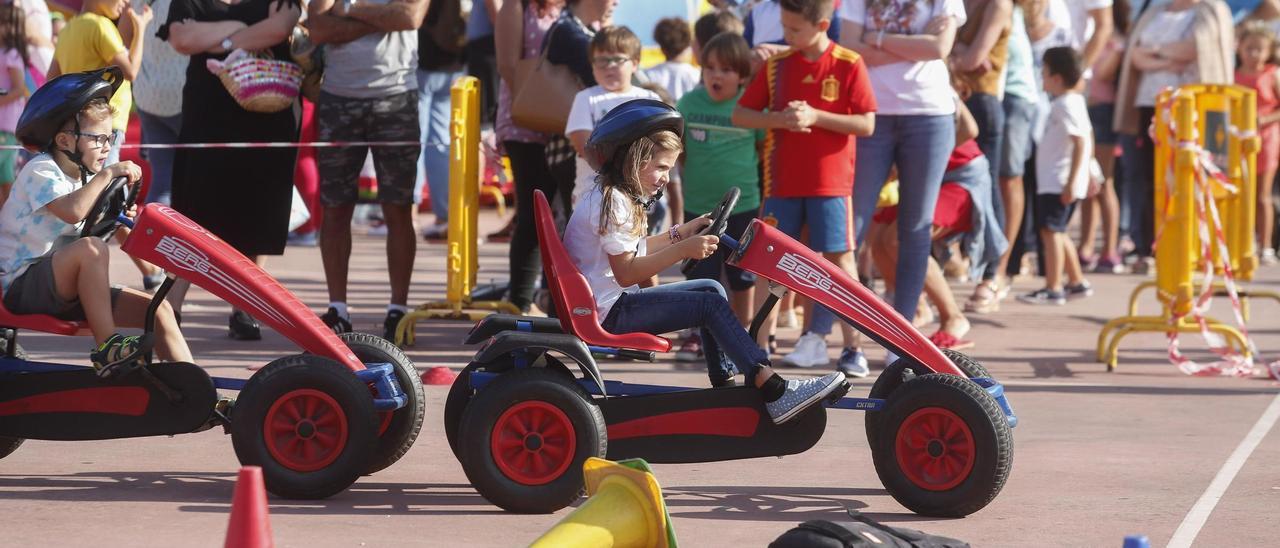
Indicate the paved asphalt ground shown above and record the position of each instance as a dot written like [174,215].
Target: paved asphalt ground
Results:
[1098,455]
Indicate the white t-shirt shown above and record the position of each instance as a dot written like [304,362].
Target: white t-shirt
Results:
[906,88]
[590,250]
[1060,36]
[1077,11]
[589,106]
[1068,117]
[27,230]
[1165,27]
[675,77]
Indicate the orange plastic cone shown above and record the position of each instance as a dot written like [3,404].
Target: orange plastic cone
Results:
[439,375]
[249,526]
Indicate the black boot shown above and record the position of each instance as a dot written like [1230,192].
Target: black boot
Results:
[243,327]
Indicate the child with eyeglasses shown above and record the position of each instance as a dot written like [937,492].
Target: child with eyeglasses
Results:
[615,57]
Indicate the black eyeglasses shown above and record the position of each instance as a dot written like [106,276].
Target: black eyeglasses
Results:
[609,61]
[100,140]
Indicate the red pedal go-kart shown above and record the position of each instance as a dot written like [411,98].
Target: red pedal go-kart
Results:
[521,423]
[349,405]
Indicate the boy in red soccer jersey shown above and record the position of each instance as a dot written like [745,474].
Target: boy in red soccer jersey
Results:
[814,99]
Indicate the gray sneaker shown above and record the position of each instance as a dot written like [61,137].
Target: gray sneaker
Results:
[801,394]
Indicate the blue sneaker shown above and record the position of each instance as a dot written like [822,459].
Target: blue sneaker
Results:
[802,394]
[853,363]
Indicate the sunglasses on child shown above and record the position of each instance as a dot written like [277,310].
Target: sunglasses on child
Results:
[610,61]
[100,140]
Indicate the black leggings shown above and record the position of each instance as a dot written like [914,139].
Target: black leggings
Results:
[529,167]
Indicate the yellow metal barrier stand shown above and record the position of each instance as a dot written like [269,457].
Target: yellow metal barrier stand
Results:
[464,209]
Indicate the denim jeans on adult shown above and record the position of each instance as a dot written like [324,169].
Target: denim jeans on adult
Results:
[433,118]
[988,111]
[683,305]
[920,146]
[159,130]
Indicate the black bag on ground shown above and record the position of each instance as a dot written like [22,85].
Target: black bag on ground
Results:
[862,532]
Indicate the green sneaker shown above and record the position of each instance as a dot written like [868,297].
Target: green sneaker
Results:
[118,352]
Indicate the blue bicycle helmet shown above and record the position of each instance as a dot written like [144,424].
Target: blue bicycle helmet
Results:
[58,101]
[626,123]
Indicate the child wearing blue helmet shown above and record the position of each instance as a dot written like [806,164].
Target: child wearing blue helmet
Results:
[633,149]
[45,266]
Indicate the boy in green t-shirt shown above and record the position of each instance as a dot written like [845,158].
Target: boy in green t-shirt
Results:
[718,156]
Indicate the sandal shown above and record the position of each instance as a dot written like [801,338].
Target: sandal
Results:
[942,339]
[985,298]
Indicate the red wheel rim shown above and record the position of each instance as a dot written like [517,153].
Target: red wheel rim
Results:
[305,430]
[935,449]
[533,443]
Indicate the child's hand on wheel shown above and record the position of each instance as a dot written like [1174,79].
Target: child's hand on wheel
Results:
[125,169]
[695,226]
[700,247]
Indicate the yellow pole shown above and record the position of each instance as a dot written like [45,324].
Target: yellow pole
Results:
[1248,196]
[1177,247]
[464,165]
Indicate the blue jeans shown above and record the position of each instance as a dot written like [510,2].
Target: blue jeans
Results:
[433,117]
[988,111]
[159,130]
[919,146]
[683,305]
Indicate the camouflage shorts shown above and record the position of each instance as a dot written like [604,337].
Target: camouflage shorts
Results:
[393,118]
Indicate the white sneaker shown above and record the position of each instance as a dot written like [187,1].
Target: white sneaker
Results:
[810,351]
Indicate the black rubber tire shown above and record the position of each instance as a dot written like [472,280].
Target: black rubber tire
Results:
[460,393]
[281,377]
[902,369]
[992,445]
[8,445]
[406,422]
[487,406]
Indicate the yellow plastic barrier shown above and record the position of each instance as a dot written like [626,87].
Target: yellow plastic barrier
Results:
[624,509]
[1221,120]
[464,205]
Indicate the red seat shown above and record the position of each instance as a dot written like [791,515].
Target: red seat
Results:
[39,322]
[572,294]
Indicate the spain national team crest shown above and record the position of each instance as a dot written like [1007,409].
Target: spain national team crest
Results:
[830,88]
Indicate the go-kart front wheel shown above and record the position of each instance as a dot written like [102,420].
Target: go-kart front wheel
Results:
[944,448]
[309,423]
[899,372]
[397,430]
[524,438]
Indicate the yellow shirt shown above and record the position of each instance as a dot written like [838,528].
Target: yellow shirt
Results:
[89,42]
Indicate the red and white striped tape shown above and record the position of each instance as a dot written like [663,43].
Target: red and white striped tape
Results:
[267,144]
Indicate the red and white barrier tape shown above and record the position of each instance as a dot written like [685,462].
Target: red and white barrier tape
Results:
[1206,173]
[271,144]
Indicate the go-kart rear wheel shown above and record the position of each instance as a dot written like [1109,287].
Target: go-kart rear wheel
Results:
[525,437]
[904,369]
[945,448]
[397,430]
[309,423]
[460,392]
[8,445]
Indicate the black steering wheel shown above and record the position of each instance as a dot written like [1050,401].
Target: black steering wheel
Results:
[114,200]
[719,222]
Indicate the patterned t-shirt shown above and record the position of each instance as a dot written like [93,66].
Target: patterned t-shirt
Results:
[28,230]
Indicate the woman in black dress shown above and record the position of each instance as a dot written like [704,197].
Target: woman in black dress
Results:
[241,195]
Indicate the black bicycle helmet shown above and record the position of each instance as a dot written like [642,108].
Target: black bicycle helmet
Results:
[60,100]
[626,123]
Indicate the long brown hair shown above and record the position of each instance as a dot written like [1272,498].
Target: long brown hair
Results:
[624,181]
[14,23]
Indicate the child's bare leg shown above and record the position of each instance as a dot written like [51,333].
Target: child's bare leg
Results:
[131,311]
[845,260]
[1014,203]
[80,271]
[1110,203]
[1053,249]
[936,288]
[1071,262]
[1089,209]
[1266,214]
[741,303]
[883,240]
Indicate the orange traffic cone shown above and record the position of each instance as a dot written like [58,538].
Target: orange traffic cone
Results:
[439,375]
[249,526]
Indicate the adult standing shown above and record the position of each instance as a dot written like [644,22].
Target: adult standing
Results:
[157,91]
[1181,42]
[370,93]
[241,195]
[527,20]
[40,39]
[440,51]
[904,43]
[481,60]
[978,61]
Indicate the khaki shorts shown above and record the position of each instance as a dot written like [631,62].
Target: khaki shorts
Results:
[34,292]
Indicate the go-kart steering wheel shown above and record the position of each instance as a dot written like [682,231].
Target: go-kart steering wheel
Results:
[114,200]
[719,223]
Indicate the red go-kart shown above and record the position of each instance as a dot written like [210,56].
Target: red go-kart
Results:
[347,406]
[521,422]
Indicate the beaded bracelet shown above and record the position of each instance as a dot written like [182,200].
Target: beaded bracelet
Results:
[674,235]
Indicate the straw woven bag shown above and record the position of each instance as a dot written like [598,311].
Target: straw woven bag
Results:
[258,83]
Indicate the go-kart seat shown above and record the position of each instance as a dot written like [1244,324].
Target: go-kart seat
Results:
[572,295]
[38,322]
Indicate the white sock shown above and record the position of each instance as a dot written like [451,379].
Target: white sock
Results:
[342,310]
[397,307]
